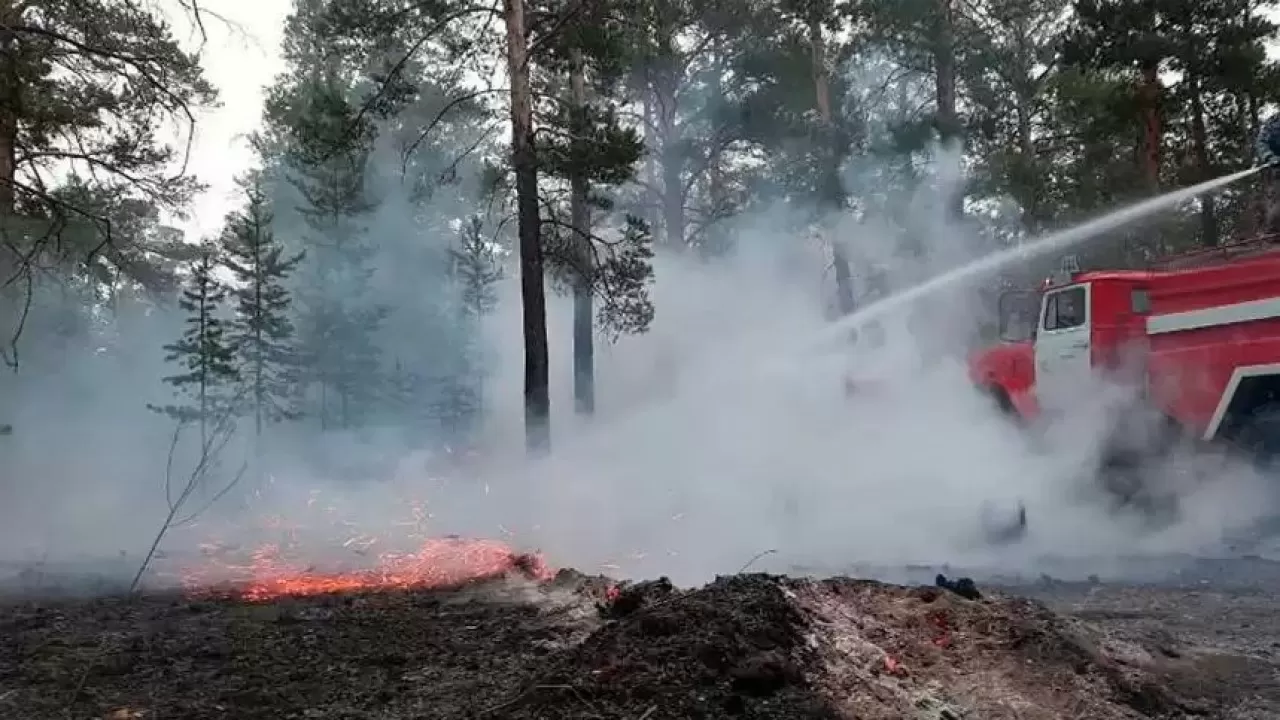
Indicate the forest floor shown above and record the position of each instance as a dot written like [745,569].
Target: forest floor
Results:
[744,646]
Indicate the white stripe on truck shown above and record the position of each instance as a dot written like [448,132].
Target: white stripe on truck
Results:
[1212,317]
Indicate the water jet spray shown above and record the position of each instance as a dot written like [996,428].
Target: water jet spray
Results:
[1045,245]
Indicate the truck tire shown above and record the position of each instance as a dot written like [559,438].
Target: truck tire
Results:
[1128,484]
[1000,399]
[1129,471]
[1120,474]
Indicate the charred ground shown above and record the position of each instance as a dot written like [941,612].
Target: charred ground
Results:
[749,646]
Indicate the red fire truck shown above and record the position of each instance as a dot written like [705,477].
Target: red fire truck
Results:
[1198,338]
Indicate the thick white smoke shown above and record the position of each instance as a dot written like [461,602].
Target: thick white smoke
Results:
[721,436]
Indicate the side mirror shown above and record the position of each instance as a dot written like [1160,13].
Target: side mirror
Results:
[1019,312]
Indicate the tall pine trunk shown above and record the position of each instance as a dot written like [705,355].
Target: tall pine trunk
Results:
[831,198]
[1151,137]
[665,76]
[1200,145]
[672,162]
[584,382]
[1253,126]
[537,395]
[715,240]
[10,106]
[653,194]
[1028,175]
[944,63]
[11,312]
[944,78]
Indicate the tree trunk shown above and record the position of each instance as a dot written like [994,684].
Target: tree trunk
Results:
[1254,126]
[944,59]
[944,64]
[1200,143]
[672,205]
[324,404]
[537,396]
[12,310]
[1149,146]
[666,83]
[584,381]
[1028,175]
[832,198]
[714,241]
[653,204]
[10,106]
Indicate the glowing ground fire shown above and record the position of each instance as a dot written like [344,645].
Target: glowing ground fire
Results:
[439,563]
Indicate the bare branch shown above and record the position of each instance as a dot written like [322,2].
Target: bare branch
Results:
[398,67]
[439,117]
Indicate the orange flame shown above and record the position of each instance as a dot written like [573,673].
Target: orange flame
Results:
[274,570]
[439,563]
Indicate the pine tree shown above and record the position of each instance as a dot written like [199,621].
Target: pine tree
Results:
[1217,52]
[203,352]
[261,332]
[327,161]
[476,269]
[475,272]
[588,147]
[338,323]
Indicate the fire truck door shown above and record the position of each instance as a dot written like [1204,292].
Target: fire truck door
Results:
[1062,345]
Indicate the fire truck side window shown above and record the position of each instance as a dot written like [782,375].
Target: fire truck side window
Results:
[1065,309]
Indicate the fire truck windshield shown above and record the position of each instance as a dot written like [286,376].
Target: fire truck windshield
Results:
[1019,315]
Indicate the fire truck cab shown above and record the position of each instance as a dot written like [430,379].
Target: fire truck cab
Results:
[1199,338]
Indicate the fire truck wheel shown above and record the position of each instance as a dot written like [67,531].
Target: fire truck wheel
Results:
[1122,479]
[1127,480]
[1000,399]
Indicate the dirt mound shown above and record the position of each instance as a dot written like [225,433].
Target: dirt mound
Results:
[735,648]
[747,646]
[893,652]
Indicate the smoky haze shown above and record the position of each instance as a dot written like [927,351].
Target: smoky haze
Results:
[725,438]
[718,437]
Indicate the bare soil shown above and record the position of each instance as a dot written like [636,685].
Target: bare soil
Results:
[746,646]
[1224,641]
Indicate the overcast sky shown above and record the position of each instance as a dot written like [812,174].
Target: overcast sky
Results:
[239,62]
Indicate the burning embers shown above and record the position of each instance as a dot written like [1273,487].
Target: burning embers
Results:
[439,563]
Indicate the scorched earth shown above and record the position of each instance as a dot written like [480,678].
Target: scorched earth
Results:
[513,640]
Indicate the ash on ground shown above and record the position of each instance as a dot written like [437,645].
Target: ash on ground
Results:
[745,646]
